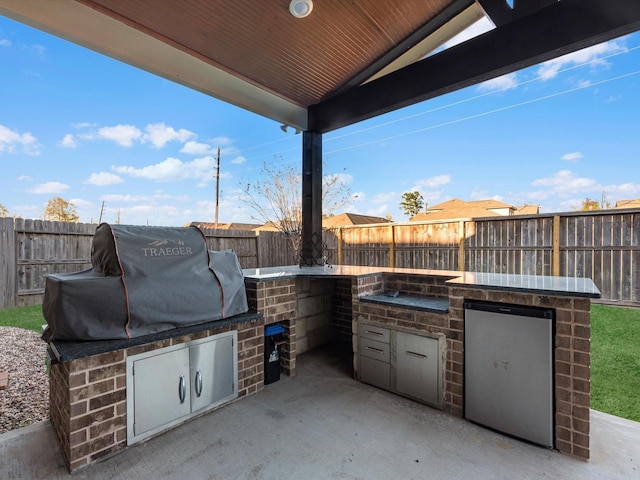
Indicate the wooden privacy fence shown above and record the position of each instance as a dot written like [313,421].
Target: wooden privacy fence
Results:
[31,249]
[601,245]
[604,246]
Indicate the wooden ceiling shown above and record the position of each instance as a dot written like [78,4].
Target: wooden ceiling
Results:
[347,61]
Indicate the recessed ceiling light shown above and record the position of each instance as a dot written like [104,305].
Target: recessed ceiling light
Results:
[300,8]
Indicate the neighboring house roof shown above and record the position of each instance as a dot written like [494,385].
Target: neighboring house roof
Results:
[456,208]
[225,226]
[344,219]
[528,210]
[628,203]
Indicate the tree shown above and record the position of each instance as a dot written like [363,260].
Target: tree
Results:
[412,203]
[276,199]
[3,211]
[59,210]
[589,205]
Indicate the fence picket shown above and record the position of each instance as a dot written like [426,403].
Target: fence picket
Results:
[602,245]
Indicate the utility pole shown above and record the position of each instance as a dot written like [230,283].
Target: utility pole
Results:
[101,212]
[217,187]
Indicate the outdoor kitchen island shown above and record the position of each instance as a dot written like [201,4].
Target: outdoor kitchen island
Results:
[91,395]
[90,385]
[347,304]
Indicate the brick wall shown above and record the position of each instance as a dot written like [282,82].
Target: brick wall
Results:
[88,395]
[276,300]
[572,359]
[571,352]
[420,321]
[342,310]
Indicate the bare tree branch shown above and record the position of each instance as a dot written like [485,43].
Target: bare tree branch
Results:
[276,199]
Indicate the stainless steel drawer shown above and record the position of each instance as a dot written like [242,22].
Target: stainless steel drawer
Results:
[372,332]
[375,372]
[376,350]
[417,362]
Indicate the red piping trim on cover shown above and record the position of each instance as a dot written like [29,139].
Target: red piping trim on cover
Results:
[124,284]
[206,248]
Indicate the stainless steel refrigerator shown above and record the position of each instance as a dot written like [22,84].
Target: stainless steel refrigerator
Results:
[508,369]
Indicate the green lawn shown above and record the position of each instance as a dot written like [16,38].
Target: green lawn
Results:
[615,361]
[615,354]
[23,317]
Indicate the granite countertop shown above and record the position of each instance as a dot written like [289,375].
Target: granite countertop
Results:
[294,271]
[411,302]
[65,351]
[562,286]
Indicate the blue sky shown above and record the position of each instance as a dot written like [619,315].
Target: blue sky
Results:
[79,125]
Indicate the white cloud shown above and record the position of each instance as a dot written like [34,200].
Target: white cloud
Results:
[502,83]
[625,191]
[123,135]
[12,142]
[341,178]
[381,211]
[38,49]
[239,160]
[566,182]
[83,125]
[127,198]
[197,148]
[538,195]
[358,196]
[432,182]
[173,169]
[49,187]
[384,197]
[572,156]
[222,141]
[160,134]
[5,42]
[593,55]
[103,178]
[80,203]
[25,178]
[69,141]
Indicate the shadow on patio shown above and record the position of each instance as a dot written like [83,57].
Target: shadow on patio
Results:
[323,424]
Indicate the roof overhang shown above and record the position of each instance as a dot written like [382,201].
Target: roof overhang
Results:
[346,62]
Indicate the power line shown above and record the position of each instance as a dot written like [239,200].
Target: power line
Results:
[449,105]
[471,117]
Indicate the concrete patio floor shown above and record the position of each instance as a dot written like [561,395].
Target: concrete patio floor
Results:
[322,424]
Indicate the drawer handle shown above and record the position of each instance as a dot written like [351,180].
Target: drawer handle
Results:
[198,382]
[415,354]
[374,333]
[182,389]
[377,350]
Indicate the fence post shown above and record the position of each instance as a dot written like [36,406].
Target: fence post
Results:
[8,259]
[556,245]
[392,246]
[340,246]
[461,251]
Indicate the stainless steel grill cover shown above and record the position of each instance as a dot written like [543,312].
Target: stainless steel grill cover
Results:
[143,280]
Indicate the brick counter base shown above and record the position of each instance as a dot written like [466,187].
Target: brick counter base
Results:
[88,405]
[572,356]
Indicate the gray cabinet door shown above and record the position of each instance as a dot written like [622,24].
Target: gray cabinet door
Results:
[161,389]
[212,374]
[375,372]
[417,367]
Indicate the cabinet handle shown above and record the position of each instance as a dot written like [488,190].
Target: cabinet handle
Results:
[377,350]
[182,389]
[198,382]
[415,354]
